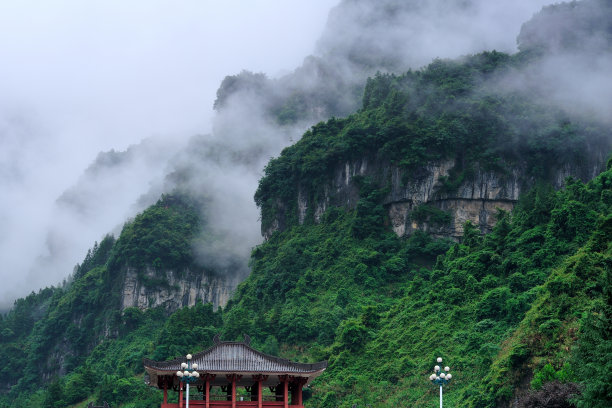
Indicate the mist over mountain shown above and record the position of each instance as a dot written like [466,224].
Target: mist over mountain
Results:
[112,189]
[411,210]
[257,115]
[392,35]
[574,41]
[579,27]
[78,79]
[361,38]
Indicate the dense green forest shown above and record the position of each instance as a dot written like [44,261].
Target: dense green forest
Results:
[497,307]
[521,315]
[529,302]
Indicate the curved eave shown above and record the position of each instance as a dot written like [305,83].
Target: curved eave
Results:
[157,371]
[154,373]
[234,357]
[290,369]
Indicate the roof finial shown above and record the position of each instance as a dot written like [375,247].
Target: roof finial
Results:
[216,339]
[247,340]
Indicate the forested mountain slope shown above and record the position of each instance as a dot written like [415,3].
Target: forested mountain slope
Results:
[498,308]
[530,297]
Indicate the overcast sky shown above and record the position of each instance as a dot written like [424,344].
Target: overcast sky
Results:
[79,77]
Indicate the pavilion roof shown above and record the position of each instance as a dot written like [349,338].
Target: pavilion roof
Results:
[237,357]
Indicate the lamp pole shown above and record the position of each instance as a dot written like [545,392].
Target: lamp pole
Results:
[440,377]
[189,375]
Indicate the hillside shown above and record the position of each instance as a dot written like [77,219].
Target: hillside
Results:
[453,214]
[51,333]
[498,308]
[529,300]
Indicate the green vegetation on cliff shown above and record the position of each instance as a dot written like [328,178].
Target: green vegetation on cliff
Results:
[449,110]
[160,237]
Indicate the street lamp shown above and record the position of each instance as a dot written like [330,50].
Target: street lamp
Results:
[440,377]
[189,374]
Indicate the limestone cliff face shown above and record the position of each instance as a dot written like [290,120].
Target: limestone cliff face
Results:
[175,290]
[476,198]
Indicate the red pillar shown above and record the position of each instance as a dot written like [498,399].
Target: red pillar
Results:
[207,385]
[165,392]
[234,391]
[299,393]
[259,394]
[286,392]
[180,395]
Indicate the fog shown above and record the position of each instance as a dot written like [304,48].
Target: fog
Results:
[78,78]
[105,105]
[396,34]
[573,71]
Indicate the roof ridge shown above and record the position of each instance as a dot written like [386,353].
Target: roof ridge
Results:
[219,344]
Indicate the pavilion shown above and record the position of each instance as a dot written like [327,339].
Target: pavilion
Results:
[230,365]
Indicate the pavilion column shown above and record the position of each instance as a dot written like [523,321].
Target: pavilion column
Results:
[233,391]
[258,379]
[180,394]
[286,391]
[207,389]
[165,392]
[299,394]
[259,394]
[300,384]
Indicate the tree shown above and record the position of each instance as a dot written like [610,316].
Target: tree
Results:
[552,395]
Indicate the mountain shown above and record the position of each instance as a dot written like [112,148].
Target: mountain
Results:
[441,144]
[461,210]
[226,164]
[590,28]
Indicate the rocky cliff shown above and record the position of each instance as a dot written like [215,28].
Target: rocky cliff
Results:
[175,290]
[423,199]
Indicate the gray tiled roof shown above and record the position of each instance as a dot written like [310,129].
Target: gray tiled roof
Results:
[228,357]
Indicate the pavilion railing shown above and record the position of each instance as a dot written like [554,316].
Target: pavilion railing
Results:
[228,404]
[223,397]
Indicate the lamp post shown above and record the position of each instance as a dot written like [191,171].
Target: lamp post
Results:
[440,377]
[189,374]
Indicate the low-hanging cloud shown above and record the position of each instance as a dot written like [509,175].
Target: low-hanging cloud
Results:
[573,44]
[222,169]
[397,35]
[579,84]
[78,78]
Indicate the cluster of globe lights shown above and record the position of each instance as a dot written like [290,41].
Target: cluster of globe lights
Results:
[440,377]
[189,374]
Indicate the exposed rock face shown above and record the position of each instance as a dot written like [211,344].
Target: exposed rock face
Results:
[175,290]
[477,198]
